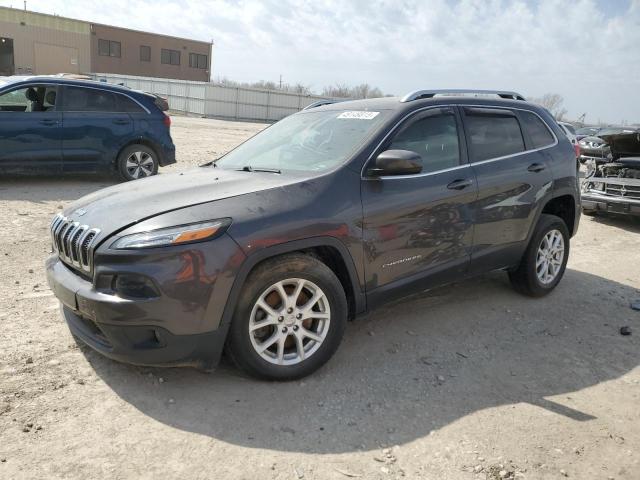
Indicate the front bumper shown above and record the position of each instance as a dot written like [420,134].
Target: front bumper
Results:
[597,202]
[129,330]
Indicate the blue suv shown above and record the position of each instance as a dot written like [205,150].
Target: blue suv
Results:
[60,125]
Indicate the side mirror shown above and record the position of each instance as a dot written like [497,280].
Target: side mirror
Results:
[396,162]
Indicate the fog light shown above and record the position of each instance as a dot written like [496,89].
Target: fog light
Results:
[134,286]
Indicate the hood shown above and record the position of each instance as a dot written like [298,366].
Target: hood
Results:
[625,144]
[592,140]
[114,208]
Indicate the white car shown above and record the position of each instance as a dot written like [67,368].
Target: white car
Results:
[570,131]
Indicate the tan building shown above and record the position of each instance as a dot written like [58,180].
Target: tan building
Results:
[38,44]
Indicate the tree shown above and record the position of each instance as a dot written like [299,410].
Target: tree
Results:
[341,90]
[552,102]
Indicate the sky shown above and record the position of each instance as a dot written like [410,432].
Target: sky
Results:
[588,51]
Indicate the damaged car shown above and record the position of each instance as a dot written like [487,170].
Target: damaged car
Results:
[597,148]
[614,186]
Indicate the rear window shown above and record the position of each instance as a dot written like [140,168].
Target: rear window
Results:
[538,132]
[125,104]
[78,99]
[493,134]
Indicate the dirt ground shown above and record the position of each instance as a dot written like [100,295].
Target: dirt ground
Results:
[468,382]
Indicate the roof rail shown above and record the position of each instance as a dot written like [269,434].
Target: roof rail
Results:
[420,94]
[320,103]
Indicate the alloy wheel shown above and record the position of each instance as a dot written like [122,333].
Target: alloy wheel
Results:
[289,321]
[139,165]
[549,257]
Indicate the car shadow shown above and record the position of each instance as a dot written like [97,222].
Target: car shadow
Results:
[41,189]
[408,369]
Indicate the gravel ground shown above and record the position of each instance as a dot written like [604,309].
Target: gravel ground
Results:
[469,382]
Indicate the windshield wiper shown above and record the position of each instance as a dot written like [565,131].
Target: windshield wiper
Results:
[249,168]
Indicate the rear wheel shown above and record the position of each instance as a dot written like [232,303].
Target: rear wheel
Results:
[290,319]
[545,260]
[137,161]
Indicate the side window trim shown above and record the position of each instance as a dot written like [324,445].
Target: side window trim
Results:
[458,107]
[146,110]
[524,133]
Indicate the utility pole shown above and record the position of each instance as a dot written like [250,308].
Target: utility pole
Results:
[280,81]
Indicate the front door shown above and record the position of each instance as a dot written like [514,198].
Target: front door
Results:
[418,228]
[30,130]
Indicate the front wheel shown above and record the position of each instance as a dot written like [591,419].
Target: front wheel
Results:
[137,161]
[545,259]
[290,318]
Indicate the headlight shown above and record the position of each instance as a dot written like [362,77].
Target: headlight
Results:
[194,232]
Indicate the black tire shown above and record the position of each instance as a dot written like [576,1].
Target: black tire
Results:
[525,278]
[138,153]
[239,342]
[589,213]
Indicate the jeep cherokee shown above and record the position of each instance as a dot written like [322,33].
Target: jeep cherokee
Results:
[268,251]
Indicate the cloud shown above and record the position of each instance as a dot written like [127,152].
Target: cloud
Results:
[583,50]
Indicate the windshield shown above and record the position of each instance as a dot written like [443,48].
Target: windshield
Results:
[307,141]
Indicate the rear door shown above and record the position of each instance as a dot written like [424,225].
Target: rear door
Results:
[95,129]
[418,228]
[30,130]
[513,177]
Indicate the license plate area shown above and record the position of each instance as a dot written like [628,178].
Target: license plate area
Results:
[617,208]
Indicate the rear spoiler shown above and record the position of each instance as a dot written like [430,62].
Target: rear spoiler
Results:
[160,102]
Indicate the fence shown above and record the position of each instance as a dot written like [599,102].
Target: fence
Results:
[213,100]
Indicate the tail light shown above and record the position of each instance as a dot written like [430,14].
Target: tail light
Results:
[167,120]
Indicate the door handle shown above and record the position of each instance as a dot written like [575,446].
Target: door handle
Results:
[48,122]
[536,167]
[460,184]
[121,121]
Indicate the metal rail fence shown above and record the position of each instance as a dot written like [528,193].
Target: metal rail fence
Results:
[220,101]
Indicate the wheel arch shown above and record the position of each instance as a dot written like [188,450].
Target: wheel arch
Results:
[564,207]
[331,251]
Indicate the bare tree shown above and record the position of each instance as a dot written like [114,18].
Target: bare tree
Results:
[338,90]
[341,90]
[552,102]
[266,85]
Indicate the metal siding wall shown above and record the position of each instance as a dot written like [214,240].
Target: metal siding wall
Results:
[211,100]
[26,36]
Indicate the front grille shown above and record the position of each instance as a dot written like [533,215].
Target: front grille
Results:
[72,242]
[621,190]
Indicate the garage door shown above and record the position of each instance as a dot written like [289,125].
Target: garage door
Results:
[52,59]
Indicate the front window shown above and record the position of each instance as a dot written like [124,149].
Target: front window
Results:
[307,141]
[433,136]
[33,98]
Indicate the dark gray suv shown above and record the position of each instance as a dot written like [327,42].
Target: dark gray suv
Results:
[269,251]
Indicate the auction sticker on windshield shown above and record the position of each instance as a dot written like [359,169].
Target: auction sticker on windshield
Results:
[359,115]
